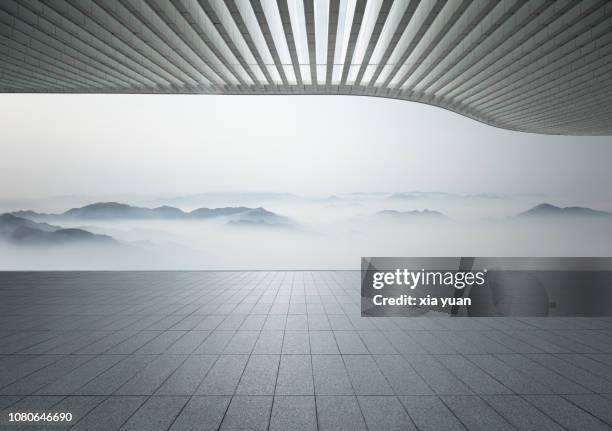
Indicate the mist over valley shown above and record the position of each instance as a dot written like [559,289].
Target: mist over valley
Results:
[288,231]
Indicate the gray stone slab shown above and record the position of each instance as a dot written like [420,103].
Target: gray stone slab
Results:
[431,343]
[568,344]
[72,381]
[75,345]
[365,376]
[116,376]
[232,322]
[29,340]
[297,322]
[384,414]
[215,343]
[54,344]
[401,376]
[242,343]
[403,342]
[475,414]
[188,342]
[376,343]
[521,414]
[438,378]
[511,378]
[323,343]
[296,343]
[295,376]
[536,339]
[275,323]
[339,413]
[586,363]
[188,376]
[247,414]
[512,343]
[339,322]
[110,414]
[188,323]
[166,322]
[223,377]
[362,323]
[555,381]
[107,343]
[161,343]
[133,343]
[8,400]
[23,366]
[470,342]
[293,413]
[269,343]
[597,405]
[350,343]
[259,377]
[566,414]
[152,376]
[604,358]
[579,375]
[470,374]
[429,413]
[381,323]
[38,379]
[253,323]
[202,413]
[318,322]
[156,414]
[261,308]
[330,376]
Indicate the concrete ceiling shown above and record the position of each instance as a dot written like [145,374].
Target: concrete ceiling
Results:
[536,66]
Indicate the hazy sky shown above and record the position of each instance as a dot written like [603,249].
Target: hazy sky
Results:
[160,144]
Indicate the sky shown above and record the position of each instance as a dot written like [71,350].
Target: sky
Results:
[311,145]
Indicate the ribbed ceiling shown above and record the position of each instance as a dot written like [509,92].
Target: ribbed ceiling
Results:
[537,66]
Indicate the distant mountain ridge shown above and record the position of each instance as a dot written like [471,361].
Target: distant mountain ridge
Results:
[115,210]
[549,210]
[22,231]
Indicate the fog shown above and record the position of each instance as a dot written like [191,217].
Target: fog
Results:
[327,164]
[324,233]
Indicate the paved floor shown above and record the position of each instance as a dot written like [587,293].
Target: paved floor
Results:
[283,351]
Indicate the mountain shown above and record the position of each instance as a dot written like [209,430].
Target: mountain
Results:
[21,231]
[167,212]
[30,215]
[260,217]
[262,214]
[548,210]
[115,210]
[105,210]
[412,215]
